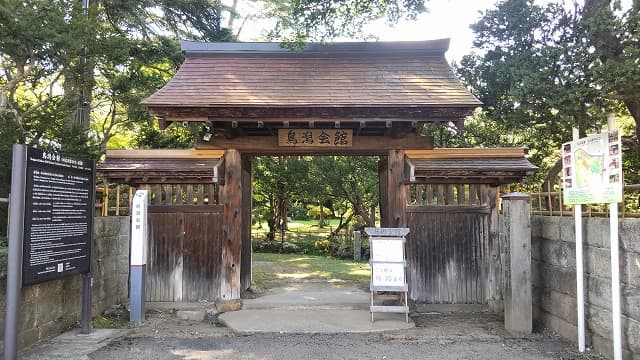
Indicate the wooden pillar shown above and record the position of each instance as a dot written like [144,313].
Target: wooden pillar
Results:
[231,198]
[396,189]
[382,191]
[247,178]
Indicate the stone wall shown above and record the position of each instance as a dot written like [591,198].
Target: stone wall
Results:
[52,307]
[554,280]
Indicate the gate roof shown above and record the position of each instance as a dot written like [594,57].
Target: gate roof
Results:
[225,82]
[468,165]
[170,166]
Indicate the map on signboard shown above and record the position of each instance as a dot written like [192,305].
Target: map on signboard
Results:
[592,169]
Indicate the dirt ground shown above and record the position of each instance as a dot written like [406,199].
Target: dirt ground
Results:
[466,336]
[436,336]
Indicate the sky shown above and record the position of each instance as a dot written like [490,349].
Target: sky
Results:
[444,19]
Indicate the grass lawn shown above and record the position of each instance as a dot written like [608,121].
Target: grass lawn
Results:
[278,267]
[303,233]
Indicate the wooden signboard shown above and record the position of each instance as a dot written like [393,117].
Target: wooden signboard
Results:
[315,138]
[388,266]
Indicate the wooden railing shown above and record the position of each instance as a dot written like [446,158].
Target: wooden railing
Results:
[115,199]
[549,202]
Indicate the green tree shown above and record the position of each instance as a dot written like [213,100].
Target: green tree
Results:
[301,21]
[349,180]
[277,181]
[539,73]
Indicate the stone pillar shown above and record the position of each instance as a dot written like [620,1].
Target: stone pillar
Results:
[516,241]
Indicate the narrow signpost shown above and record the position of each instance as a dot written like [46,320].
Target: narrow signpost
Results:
[388,267]
[139,245]
[50,228]
[592,174]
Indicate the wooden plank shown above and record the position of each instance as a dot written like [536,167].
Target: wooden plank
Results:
[231,197]
[396,189]
[429,189]
[450,199]
[389,309]
[245,269]
[466,153]
[157,192]
[157,209]
[179,194]
[212,195]
[441,194]
[169,194]
[461,194]
[118,200]
[165,154]
[419,194]
[200,194]
[189,199]
[362,145]
[473,194]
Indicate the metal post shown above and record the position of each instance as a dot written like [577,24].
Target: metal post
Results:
[85,316]
[14,263]
[577,215]
[615,270]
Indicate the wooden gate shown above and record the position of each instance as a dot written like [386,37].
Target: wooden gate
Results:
[450,245]
[185,260]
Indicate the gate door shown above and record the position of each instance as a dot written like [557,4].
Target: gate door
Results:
[449,245]
[184,250]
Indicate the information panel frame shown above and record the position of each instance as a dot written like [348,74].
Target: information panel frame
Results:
[58,216]
[592,169]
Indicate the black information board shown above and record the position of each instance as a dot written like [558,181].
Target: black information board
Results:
[58,216]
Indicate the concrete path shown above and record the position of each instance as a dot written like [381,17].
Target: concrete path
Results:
[312,307]
[72,345]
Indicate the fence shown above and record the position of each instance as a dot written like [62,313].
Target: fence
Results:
[115,199]
[549,202]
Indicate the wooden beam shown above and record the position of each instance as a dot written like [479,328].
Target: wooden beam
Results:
[362,145]
[231,197]
[466,153]
[165,154]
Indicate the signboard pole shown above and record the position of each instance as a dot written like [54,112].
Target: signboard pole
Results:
[14,259]
[577,214]
[615,269]
[87,279]
[139,244]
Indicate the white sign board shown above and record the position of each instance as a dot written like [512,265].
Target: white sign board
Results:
[592,169]
[139,228]
[387,249]
[387,274]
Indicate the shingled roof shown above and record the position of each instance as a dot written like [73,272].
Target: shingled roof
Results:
[400,80]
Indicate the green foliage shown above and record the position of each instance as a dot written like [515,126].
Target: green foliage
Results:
[539,73]
[300,21]
[313,211]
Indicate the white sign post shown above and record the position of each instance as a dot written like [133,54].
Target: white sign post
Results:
[138,267]
[388,266]
[592,173]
